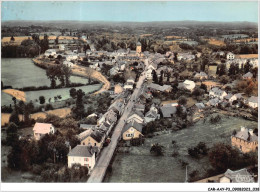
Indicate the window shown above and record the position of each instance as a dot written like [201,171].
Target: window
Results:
[83,143]
[130,135]
[85,159]
[95,144]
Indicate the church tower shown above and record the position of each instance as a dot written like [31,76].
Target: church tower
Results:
[138,48]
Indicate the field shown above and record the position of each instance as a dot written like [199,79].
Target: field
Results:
[247,56]
[216,42]
[59,112]
[246,40]
[21,72]
[140,166]
[18,39]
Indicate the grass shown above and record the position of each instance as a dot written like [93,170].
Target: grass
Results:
[140,166]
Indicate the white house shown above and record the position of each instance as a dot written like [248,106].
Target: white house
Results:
[61,47]
[187,84]
[239,176]
[201,75]
[136,116]
[49,52]
[72,56]
[41,129]
[68,63]
[253,102]
[230,98]
[218,93]
[230,56]
[151,115]
[148,74]
[83,155]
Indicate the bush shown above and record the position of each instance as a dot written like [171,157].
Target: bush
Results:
[157,149]
[48,107]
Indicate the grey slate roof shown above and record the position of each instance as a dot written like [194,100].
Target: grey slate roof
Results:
[245,135]
[200,105]
[168,110]
[133,124]
[159,87]
[239,176]
[81,151]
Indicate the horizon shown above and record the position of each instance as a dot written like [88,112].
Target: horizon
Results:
[136,11]
[104,21]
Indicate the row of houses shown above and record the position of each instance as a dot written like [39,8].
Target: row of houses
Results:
[217,96]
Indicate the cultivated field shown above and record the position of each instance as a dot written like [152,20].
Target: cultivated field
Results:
[59,112]
[215,42]
[140,166]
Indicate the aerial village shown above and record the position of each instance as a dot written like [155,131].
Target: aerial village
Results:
[146,99]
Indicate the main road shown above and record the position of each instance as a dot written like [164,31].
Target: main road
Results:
[99,171]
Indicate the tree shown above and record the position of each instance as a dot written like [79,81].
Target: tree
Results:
[78,111]
[223,156]
[11,134]
[73,93]
[42,99]
[52,73]
[204,87]
[14,118]
[247,67]
[161,78]
[221,69]
[67,73]
[182,100]
[157,149]
[155,77]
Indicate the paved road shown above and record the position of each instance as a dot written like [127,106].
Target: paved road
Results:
[99,171]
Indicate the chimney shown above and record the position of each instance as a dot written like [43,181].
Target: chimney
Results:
[251,131]
[242,128]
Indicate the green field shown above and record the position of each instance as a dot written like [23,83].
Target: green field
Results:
[140,166]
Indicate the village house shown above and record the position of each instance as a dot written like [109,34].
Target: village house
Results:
[253,102]
[118,89]
[92,138]
[230,56]
[50,52]
[185,56]
[151,115]
[197,110]
[239,176]
[68,64]
[83,155]
[248,75]
[136,116]
[245,140]
[132,130]
[216,92]
[139,107]
[213,102]
[230,97]
[168,110]
[156,87]
[201,75]
[187,84]
[149,74]
[41,129]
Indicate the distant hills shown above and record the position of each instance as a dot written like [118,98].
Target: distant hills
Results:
[82,24]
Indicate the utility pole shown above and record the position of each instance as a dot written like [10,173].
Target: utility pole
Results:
[186,178]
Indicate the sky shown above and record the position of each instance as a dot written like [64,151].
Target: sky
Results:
[131,11]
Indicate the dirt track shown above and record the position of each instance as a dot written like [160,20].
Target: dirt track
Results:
[81,71]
